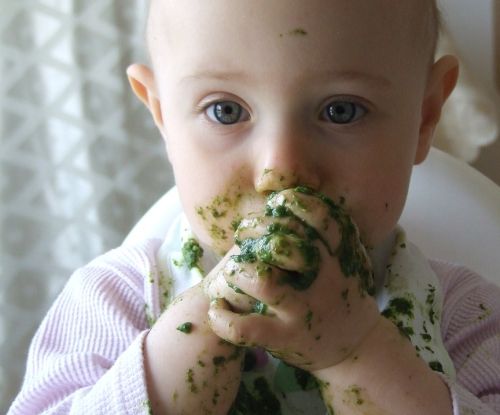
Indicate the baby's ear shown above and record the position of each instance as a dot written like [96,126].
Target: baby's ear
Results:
[442,80]
[142,82]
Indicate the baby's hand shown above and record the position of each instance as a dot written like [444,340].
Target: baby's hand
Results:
[305,278]
[189,369]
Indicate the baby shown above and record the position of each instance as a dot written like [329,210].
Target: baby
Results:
[286,286]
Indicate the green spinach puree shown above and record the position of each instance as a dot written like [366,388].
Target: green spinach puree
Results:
[280,241]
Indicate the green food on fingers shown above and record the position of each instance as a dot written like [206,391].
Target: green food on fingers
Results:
[352,257]
[295,251]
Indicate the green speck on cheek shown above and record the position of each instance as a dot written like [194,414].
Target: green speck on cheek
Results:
[215,397]
[309,317]
[190,380]
[299,31]
[201,213]
[295,32]
[218,360]
[216,213]
[216,232]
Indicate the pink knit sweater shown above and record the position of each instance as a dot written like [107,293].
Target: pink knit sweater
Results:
[86,357]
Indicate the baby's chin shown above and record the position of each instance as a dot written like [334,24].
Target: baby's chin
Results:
[214,223]
[216,236]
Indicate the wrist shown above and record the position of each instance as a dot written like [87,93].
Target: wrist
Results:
[373,350]
[384,375]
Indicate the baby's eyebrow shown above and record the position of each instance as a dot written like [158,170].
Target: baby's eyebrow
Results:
[216,75]
[331,76]
[353,76]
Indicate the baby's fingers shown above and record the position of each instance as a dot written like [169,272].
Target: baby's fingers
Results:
[256,226]
[219,288]
[240,329]
[288,252]
[310,209]
[260,281]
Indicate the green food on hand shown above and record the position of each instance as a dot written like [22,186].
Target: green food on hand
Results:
[186,327]
[280,243]
[260,308]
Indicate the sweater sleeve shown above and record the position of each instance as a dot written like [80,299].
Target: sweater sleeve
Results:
[87,355]
[471,333]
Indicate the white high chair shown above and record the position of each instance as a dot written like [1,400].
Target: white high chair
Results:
[452,213]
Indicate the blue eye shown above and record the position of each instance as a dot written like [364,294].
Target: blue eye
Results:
[344,112]
[226,112]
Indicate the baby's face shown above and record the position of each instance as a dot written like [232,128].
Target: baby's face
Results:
[257,96]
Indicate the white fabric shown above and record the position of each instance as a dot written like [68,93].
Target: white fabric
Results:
[409,276]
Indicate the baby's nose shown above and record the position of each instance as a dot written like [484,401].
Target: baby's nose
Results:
[284,157]
[272,179]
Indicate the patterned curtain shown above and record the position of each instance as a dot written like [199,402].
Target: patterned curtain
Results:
[80,159]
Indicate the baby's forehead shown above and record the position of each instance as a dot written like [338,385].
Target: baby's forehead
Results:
[419,18]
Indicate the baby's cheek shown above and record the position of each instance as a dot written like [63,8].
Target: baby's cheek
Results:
[214,229]
[378,222]
[218,219]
